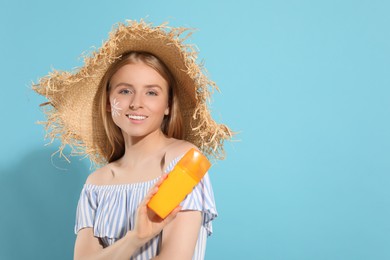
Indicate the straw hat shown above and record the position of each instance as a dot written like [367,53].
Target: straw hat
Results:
[72,105]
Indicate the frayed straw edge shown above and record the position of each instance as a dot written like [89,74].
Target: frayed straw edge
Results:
[211,143]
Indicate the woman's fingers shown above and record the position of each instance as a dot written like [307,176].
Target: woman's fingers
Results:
[154,189]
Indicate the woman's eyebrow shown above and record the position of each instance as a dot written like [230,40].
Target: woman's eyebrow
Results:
[131,86]
[123,84]
[153,86]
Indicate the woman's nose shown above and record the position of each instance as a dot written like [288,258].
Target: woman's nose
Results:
[136,102]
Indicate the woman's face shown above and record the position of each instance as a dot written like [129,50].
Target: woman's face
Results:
[138,99]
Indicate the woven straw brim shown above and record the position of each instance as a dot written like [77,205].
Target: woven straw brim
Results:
[73,111]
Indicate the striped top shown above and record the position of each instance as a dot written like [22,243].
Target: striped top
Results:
[110,210]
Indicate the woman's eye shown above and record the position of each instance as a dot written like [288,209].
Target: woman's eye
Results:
[151,93]
[125,91]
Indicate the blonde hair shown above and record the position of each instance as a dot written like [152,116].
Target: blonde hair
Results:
[172,124]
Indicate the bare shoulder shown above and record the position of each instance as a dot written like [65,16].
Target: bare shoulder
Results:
[100,177]
[178,148]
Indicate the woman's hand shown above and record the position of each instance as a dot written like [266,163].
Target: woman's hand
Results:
[147,223]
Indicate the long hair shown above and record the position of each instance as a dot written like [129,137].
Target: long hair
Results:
[171,126]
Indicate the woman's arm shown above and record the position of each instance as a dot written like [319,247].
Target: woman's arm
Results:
[147,226]
[88,247]
[180,236]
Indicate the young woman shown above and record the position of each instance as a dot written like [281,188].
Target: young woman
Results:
[136,107]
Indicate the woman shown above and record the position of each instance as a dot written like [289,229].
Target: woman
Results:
[137,105]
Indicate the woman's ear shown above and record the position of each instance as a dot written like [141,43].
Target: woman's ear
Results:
[166,112]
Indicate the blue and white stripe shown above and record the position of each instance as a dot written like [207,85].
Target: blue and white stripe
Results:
[110,211]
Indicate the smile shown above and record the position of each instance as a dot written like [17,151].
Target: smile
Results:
[136,117]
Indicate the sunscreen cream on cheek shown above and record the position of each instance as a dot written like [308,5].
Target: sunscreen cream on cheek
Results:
[180,181]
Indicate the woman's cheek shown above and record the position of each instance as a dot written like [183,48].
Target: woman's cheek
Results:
[116,109]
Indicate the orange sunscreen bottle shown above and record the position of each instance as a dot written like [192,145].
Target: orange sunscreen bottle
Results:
[180,181]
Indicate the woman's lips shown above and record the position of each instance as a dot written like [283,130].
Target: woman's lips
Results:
[136,117]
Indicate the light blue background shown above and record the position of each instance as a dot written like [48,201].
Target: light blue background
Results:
[306,84]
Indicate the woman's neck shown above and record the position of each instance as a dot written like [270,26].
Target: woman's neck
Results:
[140,148]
